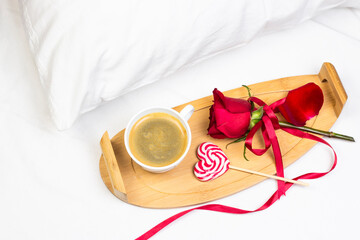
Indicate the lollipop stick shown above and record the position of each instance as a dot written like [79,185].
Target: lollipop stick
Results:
[268,175]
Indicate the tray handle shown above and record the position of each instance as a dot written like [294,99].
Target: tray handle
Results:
[329,74]
[112,167]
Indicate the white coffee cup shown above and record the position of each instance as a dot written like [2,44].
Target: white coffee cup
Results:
[183,117]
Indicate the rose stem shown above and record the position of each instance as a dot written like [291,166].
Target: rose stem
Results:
[316,131]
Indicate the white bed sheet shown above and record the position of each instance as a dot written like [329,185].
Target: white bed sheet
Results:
[50,183]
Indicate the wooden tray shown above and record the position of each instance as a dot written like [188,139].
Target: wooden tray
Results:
[179,187]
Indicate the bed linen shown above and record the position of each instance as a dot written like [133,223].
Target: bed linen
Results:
[88,52]
[50,183]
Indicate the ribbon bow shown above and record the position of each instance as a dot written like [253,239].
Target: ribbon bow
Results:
[269,123]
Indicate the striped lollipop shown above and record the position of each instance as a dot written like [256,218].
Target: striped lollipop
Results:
[213,163]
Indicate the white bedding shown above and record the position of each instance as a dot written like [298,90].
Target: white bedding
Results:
[50,183]
[88,52]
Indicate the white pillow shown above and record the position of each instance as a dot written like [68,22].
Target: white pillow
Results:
[90,51]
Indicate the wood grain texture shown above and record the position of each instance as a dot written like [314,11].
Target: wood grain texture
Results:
[329,74]
[179,187]
[112,168]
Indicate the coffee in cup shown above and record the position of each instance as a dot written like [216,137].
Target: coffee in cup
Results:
[158,138]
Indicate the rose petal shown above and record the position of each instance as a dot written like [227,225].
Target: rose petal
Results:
[234,105]
[232,125]
[212,130]
[301,104]
[215,133]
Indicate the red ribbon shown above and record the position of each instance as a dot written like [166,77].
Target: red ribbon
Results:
[269,124]
[269,132]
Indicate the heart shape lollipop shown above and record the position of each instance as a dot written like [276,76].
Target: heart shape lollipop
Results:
[213,163]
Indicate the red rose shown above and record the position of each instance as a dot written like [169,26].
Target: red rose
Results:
[229,117]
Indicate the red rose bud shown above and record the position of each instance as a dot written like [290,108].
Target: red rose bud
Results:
[301,104]
[229,117]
